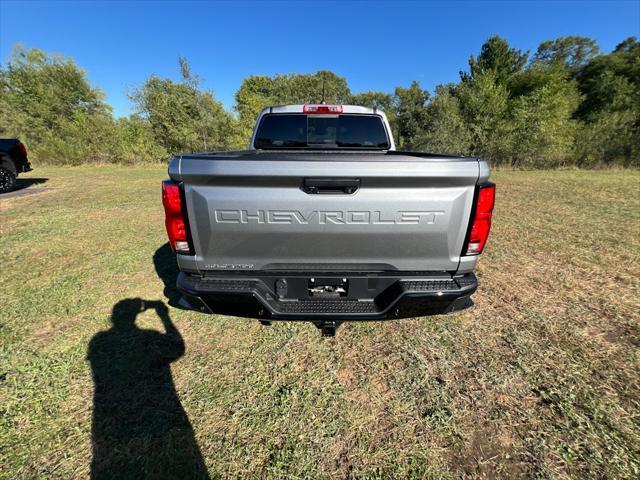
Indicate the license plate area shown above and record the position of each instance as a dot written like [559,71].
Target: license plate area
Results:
[328,288]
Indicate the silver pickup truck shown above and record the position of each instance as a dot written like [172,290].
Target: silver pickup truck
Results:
[322,219]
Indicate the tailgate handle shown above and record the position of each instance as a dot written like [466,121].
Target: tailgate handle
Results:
[343,186]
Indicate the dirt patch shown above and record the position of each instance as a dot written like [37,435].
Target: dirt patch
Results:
[490,454]
[346,377]
[622,334]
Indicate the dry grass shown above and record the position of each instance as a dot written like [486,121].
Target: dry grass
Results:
[540,379]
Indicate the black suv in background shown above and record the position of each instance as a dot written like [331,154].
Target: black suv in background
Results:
[13,160]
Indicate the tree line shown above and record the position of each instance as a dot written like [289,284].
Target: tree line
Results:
[567,104]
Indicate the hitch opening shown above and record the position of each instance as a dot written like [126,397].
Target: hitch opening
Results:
[328,328]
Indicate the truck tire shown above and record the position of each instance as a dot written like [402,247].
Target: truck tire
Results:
[7,179]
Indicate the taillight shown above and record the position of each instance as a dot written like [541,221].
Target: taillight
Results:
[322,109]
[23,149]
[482,219]
[175,218]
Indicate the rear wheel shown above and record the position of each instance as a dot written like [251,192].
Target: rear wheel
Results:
[7,179]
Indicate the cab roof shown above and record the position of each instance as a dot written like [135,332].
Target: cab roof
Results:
[300,109]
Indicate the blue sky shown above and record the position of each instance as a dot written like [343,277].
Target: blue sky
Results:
[375,45]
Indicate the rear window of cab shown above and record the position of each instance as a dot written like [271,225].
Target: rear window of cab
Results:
[344,131]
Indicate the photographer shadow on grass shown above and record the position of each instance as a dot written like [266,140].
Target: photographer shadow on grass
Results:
[140,429]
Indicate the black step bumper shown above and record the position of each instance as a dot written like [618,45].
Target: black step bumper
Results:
[368,297]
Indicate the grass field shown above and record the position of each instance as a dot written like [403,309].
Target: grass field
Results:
[541,379]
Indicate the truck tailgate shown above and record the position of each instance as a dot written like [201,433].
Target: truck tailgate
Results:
[252,212]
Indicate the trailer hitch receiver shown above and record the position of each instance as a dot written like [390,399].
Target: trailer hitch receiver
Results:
[328,328]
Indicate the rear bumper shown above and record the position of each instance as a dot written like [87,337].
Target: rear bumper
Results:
[369,297]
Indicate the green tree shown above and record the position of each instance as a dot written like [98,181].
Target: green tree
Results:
[205,119]
[410,113]
[257,92]
[181,116]
[596,79]
[40,94]
[572,51]
[445,130]
[371,99]
[311,88]
[610,112]
[541,125]
[498,57]
[485,104]
[136,142]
